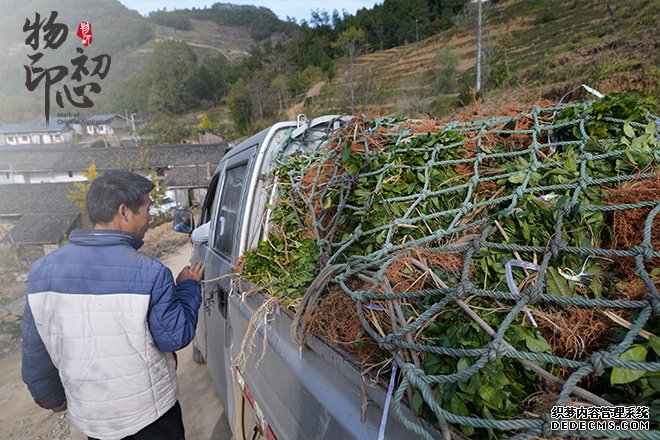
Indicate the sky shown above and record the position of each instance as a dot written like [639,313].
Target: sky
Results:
[298,9]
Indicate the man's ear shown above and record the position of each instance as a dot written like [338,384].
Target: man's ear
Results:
[123,212]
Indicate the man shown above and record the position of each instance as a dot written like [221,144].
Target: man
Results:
[184,224]
[102,322]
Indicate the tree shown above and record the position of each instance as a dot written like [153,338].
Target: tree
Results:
[205,124]
[351,42]
[166,130]
[79,195]
[215,75]
[172,71]
[240,105]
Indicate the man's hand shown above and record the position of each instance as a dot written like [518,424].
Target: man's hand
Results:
[45,404]
[193,272]
[60,408]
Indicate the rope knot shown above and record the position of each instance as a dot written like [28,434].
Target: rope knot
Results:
[519,192]
[597,361]
[655,305]
[567,207]
[533,293]
[388,342]
[587,156]
[556,245]
[645,250]
[413,373]
[462,289]
[496,350]
[466,207]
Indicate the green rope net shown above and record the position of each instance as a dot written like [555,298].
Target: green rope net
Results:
[506,266]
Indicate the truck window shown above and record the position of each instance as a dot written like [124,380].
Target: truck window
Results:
[228,213]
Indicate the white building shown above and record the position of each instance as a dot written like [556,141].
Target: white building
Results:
[35,134]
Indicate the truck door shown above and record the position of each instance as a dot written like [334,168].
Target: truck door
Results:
[199,254]
[220,260]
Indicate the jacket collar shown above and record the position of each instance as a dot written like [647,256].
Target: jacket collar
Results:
[105,237]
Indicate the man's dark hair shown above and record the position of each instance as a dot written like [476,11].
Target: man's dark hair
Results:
[109,191]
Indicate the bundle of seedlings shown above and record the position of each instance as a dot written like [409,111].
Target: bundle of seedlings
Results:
[504,266]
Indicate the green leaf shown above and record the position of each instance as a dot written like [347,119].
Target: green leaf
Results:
[596,287]
[626,375]
[537,344]
[417,402]
[432,364]
[463,365]
[556,284]
[628,130]
[467,430]
[327,202]
[654,341]
[490,395]
[458,407]
[641,141]
[517,178]
[650,128]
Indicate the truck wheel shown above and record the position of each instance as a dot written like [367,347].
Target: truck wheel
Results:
[197,355]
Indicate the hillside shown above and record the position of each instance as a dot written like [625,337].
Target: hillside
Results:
[123,34]
[534,50]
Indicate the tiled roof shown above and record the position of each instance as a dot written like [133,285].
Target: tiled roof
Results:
[37,127]
[41,228]
[39,198]
[45,211]
[79,159]
[194,176]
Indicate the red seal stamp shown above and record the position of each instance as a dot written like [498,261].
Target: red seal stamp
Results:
[85,33]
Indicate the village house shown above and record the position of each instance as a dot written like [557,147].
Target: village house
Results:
[36,213]
[18,135]
[110,124]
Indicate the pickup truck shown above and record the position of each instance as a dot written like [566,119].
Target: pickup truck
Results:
[282,391]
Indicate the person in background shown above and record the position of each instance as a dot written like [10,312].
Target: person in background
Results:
[200,234]
[184,224]
[102,322]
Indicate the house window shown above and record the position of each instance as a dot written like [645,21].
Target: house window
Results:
[70,173]
[25,138]
[11,139]
[160,172]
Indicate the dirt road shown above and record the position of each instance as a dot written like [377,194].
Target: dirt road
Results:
[21,419]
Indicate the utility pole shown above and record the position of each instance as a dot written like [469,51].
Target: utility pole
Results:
[478,87]
[416,29]
[133,127]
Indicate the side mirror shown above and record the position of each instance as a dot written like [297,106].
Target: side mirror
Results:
[183,221]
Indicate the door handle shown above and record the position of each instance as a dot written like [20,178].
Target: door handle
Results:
[222,225]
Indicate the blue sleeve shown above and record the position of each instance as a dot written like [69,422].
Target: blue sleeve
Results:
[173,311]
[37,369]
